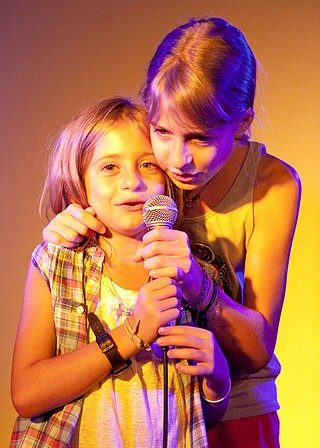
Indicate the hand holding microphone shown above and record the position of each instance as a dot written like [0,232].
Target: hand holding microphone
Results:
[158,300]
[166,252]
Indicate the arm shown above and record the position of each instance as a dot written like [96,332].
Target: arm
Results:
[69,227]
[42,381]
[205,359]
[247,334]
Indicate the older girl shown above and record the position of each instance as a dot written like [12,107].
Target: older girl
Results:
[240,211]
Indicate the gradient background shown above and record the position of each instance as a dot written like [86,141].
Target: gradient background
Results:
[57,56]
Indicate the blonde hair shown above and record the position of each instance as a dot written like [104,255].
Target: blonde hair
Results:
[203,71]
[73,150]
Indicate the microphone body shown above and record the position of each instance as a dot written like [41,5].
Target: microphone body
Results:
[159,211]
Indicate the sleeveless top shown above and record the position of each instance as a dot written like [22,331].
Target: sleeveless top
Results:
[123,411]
[220,238]
[74,279]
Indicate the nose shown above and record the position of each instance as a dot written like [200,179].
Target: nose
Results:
[180,155]
[131,180]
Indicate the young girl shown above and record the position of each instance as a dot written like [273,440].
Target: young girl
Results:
[70,389]
[240,211]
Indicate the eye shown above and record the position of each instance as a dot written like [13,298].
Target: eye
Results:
[110,168]
[149,166]
[201,139]
[160,131]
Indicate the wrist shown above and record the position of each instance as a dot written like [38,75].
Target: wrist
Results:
[207,296]
[108,346]
[215,391]
[132,331]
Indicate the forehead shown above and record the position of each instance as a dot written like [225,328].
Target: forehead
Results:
[172,117]
[124,138]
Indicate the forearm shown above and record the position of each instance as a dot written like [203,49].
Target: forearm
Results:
[243,333]
[53,382]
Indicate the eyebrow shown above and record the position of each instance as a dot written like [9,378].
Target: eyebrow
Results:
[188,135]
[117,156]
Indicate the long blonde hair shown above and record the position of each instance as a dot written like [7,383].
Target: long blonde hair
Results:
[203,70]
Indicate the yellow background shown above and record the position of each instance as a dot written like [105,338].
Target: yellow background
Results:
[57,56]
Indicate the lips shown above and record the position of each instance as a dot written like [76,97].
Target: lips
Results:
[184,178]
[131,205]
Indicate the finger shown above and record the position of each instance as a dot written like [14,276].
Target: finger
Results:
[169,303]
[186,330]
[86,218]
[160,283]
[54,237]
[161,234]
[70,228]
[174,272]
[169,316]
[188,342]
[192,370]
[165,248]
[138,256]
[194,355]
[90,210]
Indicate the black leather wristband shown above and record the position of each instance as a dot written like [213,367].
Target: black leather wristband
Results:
[108,346]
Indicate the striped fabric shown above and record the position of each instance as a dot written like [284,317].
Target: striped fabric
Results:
[73,277]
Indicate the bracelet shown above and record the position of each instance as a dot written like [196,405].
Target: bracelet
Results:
[132,332]
[204,293]
[219,399]
[213,298]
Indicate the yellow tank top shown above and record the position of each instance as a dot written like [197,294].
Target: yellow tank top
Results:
[220,237]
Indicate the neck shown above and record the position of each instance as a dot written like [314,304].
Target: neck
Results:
[210,195]
[119,248]
[119,264]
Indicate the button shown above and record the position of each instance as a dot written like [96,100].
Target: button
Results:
[80,309]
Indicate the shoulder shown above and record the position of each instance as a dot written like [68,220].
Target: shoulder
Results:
[49,251]
[275,174]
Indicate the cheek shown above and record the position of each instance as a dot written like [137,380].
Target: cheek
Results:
[160,152]
[159,185]
[97,194]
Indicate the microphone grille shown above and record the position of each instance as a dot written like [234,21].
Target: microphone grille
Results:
[159,210]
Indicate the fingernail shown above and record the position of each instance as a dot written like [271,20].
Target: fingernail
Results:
[102,229]
[161,330]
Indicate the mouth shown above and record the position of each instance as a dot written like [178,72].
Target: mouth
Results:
[131,205]
[184,178]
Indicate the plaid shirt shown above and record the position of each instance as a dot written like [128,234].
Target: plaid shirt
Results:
[73,277]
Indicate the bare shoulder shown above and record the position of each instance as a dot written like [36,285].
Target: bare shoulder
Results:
[274,173]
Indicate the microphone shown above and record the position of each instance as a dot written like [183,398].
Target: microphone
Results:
[159,211]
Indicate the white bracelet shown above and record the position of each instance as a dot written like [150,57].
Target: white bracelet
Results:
[219,399]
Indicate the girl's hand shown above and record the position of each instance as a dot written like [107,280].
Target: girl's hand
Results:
[166,252]
[69,227]
[205,358]
[158,304]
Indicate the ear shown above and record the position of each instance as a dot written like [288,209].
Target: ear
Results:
[244,125]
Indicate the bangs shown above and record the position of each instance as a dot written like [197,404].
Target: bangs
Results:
[196,104]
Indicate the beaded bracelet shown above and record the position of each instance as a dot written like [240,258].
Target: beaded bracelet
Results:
[203,294]
[213,298]
[132,332]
